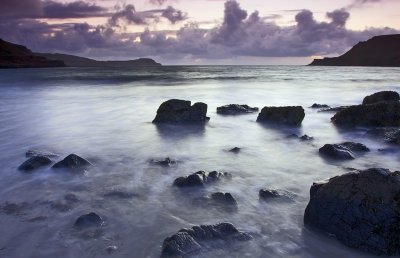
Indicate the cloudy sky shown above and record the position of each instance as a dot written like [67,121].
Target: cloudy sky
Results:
[198,31]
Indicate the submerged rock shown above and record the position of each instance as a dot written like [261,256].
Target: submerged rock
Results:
[334,109]
[72,161]
[217,200]
[167,162]
[201,178]
[175,111]
[342,151]
[236,109]
[378,114]
[235,150]
[35,162]
[89,220]
[391,135]
[35,153]
[202,238]
[306,138]
[381,96]
[360,208]
[267,194]
[290,116]
[315,105]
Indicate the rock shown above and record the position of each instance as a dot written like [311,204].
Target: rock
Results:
[235,150]
[34,153]
[236,109]
[89,220]
[391,135]
[378,114]
[223,199]
[201,238]
[334,109]
[342,151]
[315,105]
[290,116]
[360,208]
[201,178]
[72,161]
[381,96]
[167,162]
[267,194]
[34,163]
[306,138]
[175,111]
[355,146]
[217,200]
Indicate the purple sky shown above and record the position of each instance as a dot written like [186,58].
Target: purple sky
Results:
[198,31]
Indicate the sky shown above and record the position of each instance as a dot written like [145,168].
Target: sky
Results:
[198,32]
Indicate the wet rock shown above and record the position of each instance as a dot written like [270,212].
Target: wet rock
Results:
[378,114]
[34,153]
[218,200]
[72,161]
[381,96]
[223,198]
[235,150]
[201,178]
[167,162]
[289,116]
[268,194]
[334,109]
[360,208]
[35,162]
[315,105]
[89,220]
[236,109]
[355,146]
[390,135]
[336,151]
[306,138]
[175,111]
[202,238]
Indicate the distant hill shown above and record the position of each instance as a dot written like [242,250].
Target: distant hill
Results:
[77,61]
[17,56]
[377,51]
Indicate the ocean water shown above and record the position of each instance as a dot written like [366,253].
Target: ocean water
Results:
[105,115]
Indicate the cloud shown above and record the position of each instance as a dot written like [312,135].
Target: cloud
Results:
[359,3]
[158,2]
[173,15]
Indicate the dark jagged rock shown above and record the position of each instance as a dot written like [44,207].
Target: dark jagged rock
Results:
[381,96]
[89,220]
[316,105]
[306,138]
[235,150]
[391,135]
[35,163]
[72,161]
[175,111]
[201,178]
[267,194]
[334,109]
[167,162]
[223,199]
[378,114]
[34,153]
[236,109]
[290,116]
[360,208]
[17,56]
[343,151]
[202,238]
[378,51]
[217,200]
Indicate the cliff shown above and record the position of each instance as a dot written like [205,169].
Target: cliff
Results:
[17,56]
[377,51]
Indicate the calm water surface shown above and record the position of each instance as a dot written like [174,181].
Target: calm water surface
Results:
[105,116]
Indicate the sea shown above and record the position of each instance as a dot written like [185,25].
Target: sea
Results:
[105,116]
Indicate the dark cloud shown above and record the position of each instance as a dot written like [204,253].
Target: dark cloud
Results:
[173,15]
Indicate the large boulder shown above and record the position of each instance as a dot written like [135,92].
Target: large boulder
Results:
[378,114]
[290,116]
[342,151]
[236,109]
[176,111]
[381,96]
[202,238]
[72,161]
[34,163]
[201,178]
[360,208]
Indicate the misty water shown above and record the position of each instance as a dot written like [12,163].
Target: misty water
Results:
[104,115]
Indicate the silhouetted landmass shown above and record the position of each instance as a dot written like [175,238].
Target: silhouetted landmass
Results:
[77,61]
[378,51]
[17,56]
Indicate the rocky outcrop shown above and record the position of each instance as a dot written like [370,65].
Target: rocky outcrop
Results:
[202,238]
[236,109]
[378,51]
[89,220]
[201,178]
[17,56]
[377,114]
[35,163]
[290,116]
[316,105]
[381,96]
[176,111]
[72,161]
[342,151]
[360,208]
